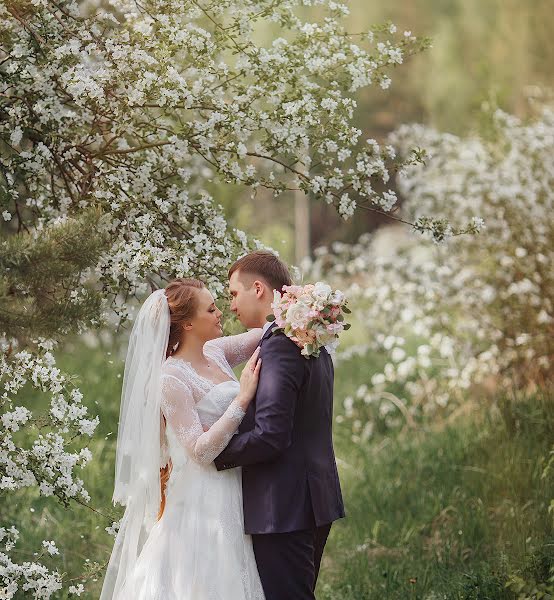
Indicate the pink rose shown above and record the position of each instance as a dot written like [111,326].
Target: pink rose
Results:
[334,327]
[294,290]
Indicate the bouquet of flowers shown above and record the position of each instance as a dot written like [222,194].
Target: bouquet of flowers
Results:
[312,316]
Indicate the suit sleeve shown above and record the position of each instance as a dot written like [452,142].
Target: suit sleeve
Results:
[281,379]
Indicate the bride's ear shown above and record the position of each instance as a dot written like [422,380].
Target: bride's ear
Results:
[187,326]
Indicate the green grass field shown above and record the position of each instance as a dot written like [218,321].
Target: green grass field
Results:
[456,512]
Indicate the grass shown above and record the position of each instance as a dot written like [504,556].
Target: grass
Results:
[455,513]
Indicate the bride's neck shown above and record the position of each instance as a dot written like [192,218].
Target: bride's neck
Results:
[190,349]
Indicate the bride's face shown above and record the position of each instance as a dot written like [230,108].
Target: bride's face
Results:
[206,323]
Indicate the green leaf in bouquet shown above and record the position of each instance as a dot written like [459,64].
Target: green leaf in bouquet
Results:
[346,326]
[346,310]
[270,318]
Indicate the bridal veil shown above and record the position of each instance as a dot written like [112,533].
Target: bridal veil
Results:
[138,454]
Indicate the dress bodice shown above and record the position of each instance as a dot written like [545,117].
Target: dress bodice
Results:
[213,405]
[202,415]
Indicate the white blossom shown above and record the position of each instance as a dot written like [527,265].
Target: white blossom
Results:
[448,318]
[27,577]
[76,590]
[51,547]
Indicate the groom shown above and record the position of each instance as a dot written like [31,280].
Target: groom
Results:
[291,490]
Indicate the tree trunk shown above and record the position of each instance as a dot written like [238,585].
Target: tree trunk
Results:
[301,226]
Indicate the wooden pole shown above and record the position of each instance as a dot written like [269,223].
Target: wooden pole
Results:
[301,226]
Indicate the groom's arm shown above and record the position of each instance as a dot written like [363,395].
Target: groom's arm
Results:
[281,378]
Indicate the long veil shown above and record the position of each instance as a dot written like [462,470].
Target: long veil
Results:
[138,454]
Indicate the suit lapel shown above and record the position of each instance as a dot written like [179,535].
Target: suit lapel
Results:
[248,422]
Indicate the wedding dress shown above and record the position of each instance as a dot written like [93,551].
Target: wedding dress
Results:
[198,549]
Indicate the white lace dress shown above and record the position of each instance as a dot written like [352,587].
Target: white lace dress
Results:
[198,549]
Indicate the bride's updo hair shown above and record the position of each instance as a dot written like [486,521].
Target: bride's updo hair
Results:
[182,299]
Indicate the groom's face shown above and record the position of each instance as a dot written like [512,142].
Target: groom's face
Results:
[245,298]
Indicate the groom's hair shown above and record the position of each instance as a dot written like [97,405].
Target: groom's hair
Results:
[265,265]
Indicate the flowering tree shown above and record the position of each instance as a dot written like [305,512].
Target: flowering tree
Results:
[135,110]
[131,114]
[447,318]
[45,457]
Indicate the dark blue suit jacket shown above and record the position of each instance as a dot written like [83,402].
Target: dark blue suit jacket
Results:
[284,445]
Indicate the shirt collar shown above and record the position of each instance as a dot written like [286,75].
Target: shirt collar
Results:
[266,327]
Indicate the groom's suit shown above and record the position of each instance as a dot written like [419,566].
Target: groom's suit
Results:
[291,490]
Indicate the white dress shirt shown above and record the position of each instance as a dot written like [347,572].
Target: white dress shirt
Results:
[266,327]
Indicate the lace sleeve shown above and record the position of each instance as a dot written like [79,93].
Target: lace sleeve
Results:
[179,409]
[238,348]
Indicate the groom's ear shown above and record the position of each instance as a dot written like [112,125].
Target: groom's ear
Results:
[259,286]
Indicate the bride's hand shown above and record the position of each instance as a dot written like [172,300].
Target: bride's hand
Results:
[249,379]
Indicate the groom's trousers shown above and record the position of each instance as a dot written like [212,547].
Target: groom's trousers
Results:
[288,563]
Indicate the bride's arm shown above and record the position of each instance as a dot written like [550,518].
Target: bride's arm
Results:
[179,409]
[238,348]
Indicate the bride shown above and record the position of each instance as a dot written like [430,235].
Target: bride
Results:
[182,536]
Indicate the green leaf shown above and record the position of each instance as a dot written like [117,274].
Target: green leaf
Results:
[346,310]
[270,318]
[347,326]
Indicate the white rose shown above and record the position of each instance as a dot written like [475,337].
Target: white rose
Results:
[298,315]
[321,290]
